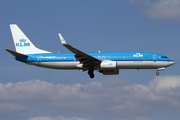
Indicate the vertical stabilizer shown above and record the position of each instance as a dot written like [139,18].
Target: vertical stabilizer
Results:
[22,44]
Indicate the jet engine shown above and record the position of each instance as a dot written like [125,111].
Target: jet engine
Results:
[110,72]
[108,64]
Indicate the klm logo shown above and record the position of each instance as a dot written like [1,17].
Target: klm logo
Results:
[22,43]
[138,55]
[110,64]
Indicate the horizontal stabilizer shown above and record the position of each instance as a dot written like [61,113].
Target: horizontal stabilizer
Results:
[16,54]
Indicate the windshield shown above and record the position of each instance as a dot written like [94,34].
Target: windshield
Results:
[164,57]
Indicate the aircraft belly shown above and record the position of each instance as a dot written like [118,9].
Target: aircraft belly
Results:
[140,64]
[120,64]
[159,64]
[132,64]
[56,65]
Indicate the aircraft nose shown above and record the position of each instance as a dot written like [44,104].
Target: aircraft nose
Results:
[171,62]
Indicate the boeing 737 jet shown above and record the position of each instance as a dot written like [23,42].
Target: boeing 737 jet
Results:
[107,63]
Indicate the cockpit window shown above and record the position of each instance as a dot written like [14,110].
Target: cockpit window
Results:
[164,57]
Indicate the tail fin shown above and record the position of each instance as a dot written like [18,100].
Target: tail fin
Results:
[22,44]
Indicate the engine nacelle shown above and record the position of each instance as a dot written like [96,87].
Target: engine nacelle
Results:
[108,64]
[110,72]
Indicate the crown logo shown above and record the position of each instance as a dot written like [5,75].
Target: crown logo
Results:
[138,55]
[22,40]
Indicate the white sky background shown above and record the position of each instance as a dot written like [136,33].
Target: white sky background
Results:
[31,93]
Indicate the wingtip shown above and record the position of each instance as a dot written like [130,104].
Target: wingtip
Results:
[11,25]
[62,39]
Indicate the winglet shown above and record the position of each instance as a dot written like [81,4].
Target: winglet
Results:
[62,39]
[77,52]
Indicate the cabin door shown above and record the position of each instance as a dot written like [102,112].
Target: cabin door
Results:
[39,59]
[154,57]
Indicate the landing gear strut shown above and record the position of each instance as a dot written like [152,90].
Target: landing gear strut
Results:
[157,73]
[91,73]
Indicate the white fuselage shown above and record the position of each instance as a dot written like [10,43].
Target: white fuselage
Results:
[120,64]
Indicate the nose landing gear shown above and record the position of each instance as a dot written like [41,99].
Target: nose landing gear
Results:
[157,73]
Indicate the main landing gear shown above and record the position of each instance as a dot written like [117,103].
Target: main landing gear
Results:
[91,73]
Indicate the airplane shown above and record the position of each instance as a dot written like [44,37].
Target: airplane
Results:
[107,63]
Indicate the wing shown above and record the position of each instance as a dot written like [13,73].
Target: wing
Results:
[85,59]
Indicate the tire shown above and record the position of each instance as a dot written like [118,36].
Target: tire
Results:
[157,73]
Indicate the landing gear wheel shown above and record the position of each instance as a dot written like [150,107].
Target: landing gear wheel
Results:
[157,73]
[91,74]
